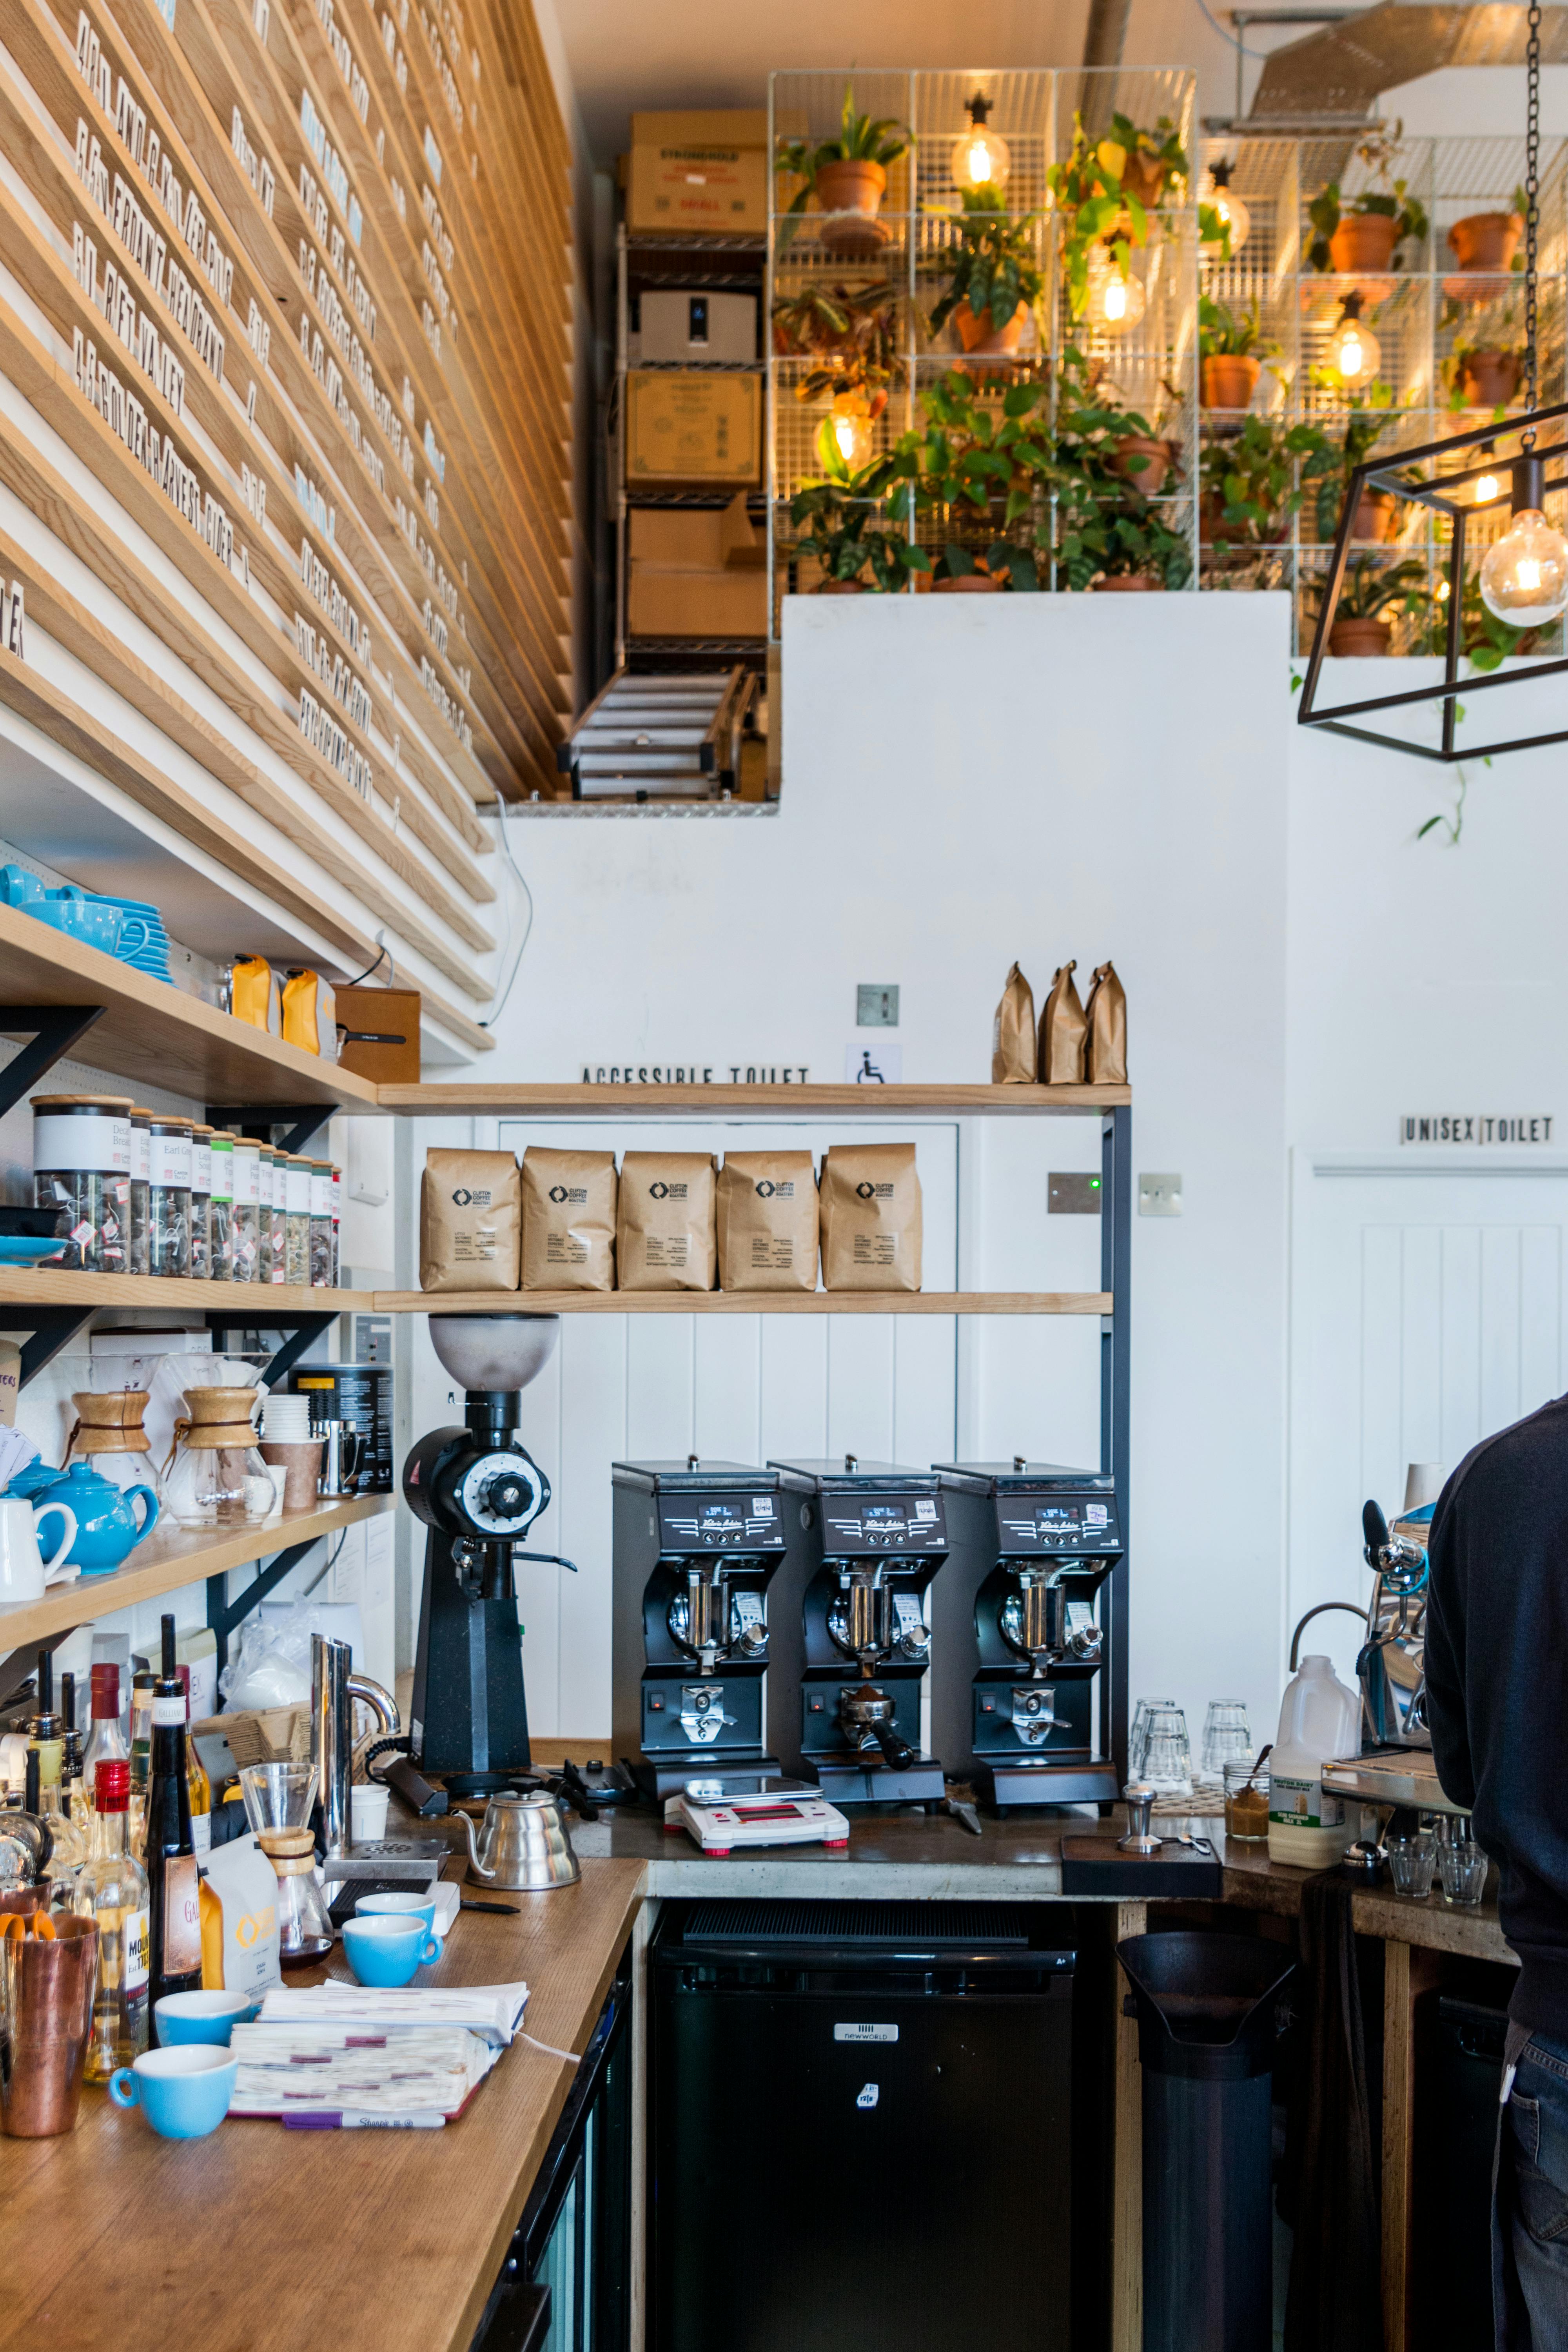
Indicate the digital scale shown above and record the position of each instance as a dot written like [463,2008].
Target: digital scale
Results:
[718,1824]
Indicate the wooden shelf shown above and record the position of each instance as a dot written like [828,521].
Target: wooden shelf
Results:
[256,1304]
[154,1034]
[477,1096]
[743,1302]
[169,1560]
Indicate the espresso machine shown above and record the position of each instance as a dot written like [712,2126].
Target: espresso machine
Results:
[478,1492]
[1394,1766]
[696,1544]
[1016,1632]
[844,1706]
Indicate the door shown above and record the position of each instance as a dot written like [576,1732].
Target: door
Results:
[1426,1313]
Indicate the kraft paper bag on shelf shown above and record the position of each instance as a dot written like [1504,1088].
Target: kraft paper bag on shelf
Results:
[1013,1034]
[1063,1032]
[870,1217]
[1106,1014]
[239,1919]
[664,1227]
[470,1222]
[568,1220]
[767,1221]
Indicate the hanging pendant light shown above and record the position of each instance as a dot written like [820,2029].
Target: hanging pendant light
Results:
[1523,578]
[1215,190]
[1353,352]
[1115,303]
[980,157]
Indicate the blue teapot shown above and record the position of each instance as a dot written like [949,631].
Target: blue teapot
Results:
[31,1481]
[107,1528]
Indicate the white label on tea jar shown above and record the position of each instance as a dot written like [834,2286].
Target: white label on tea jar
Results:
[246,1173]
[169,1164]
[201,1164]
[222,1185]
[95,1140]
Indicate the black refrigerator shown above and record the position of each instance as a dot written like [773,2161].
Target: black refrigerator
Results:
[860,2127]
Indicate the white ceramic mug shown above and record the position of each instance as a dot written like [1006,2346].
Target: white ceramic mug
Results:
[22,1571]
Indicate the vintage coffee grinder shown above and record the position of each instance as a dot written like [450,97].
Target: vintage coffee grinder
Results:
[696,1546]
[478,1491]
[1016,1632]
[844,1707]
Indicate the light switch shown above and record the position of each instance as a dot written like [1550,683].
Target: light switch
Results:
[1159,1196]
[876,1005]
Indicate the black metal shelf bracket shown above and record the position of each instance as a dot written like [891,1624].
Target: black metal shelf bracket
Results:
[301,1327]
[54,1029]
[262,1120]
[224,1616]
[52,1328]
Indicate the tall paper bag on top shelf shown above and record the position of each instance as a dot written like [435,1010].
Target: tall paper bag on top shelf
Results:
[870,1217]
[1012,1048]
[1106,1014]
[1063,1032]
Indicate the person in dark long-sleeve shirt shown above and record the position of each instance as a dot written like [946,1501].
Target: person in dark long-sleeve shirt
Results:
[1497,1699]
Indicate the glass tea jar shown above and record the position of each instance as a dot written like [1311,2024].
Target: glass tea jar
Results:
[337,1224]
[140,1161]
[168,1198]
[244,1224]
[218,1478]
[220,1206]
[296,1173]
[81,1166]
[321,1224]
[268,1212]
[201,1201]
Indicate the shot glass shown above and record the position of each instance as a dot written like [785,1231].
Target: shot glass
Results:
[1464,1874]
[1412,1862]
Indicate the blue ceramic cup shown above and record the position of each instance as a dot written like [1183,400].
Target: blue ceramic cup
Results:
[407,1907]
[386,1952]
[184,2093]
[187,2018]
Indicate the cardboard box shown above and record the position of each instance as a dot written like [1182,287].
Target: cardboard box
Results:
[390,1015]
[704,172]
[689,428]
[678,583]
[702,539]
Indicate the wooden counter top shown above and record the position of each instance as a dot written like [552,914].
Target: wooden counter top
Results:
[256,2240]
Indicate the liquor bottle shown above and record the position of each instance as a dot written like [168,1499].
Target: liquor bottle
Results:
[112,1888]
[142,1684]
[106,1741]
[174,1897]
[73,1788]
[197,1779]
[46,1740]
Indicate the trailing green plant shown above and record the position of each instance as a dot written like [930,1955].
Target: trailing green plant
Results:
[992,267]
[1013,566]
[1371,412]
[861,139]
[977,451]
[1132,541]
[1253,481]
[1106,527]
[1160,148]
[856,521]
[1374,588]
[1389,199]
[1223,333]
[1094,209]
[850,334]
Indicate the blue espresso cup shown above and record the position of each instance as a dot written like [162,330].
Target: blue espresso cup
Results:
[385,1952]
[181,2019]
[182,2093]
[406,1906]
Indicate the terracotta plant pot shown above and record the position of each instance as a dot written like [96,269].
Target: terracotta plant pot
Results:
[850,195]
[1213,530]
[1144,177]
[1127,583]
[1229,382]
[1363,241]
[970,584]
[1489,379]
[1150,477]
[1486,240]
[980,337]
[1377,517]
[1356,638]
[841,588]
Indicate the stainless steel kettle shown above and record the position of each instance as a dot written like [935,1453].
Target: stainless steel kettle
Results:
[523,1844]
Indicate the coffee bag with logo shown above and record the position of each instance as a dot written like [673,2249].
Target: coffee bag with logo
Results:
[767,1221]
[870,1217]
[1063,1029]
[568,1220]
[664,1225]
[1106,1014]
[1013,1034]
[471,1220]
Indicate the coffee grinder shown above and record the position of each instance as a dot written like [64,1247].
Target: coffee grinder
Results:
[696,1546]
[1016,1633]
[844,1707]
[478,1491]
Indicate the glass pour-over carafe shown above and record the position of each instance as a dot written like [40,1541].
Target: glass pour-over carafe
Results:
[277,1800]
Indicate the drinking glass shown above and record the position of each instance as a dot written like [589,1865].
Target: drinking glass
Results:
[1413,1860]
[1463,1870]
[1227,1737]
[1167,1764]
[1138,1739]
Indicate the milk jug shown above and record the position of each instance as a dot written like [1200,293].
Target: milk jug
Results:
[1319,1720]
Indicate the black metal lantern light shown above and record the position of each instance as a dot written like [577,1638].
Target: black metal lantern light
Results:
[1523,577]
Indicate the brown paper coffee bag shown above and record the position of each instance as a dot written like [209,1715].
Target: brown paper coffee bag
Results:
[1063,1032]
[568,1220]
[870,1217]
[1013,1034]
[1106,1014]
[471,1220]
[767,1221]
[664,1227]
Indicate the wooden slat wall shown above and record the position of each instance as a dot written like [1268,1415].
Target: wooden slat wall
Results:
[346,477]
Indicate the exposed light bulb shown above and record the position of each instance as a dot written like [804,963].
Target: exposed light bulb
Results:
[1352,352]
[979,156]
[853,435]
[1524,578]
[1488,488]
[1442,591]
[1115,303]
[1215,190]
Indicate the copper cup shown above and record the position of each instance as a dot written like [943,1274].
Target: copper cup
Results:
[46,2014]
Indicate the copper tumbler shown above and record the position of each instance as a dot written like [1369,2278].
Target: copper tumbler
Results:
[45,2014]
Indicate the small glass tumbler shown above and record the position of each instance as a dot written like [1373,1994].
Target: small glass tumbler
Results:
[1167,1764]
[1463,1870]
[1245,1802]
[1138,1739]
[1227,1737]
[1412,1862]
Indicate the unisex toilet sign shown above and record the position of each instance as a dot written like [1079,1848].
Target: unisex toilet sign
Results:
[1473,1128]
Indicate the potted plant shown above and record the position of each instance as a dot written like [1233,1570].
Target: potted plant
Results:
[995,282]
[1370,414]
[1151,159]
[1373,587]
[1232,350]
[981,458]
[1095,210]
[1365,232]
[1490,241]
[960,571]
[1253,481]
[1127,550]
[855,522]
[849,336]
[1485,375]
[847,175]
[1109,534]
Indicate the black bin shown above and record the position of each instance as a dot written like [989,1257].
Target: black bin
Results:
[1205,2038]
